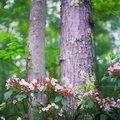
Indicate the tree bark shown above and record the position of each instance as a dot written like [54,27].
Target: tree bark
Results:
[36,60]
[76,44]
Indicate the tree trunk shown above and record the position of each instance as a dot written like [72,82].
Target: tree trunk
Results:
[76,44]
[36,60]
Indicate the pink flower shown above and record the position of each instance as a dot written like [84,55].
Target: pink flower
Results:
[2,118]
[118,100]
[68,90]
[106,107]
[58,87]
[98,99]
[50,107]
[45,109]
[34,81]
[31,87]
[114,69]
[40,88]
[88,94]
[23,82]
[53,81]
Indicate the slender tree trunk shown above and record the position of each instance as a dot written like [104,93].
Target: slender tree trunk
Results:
[36,60]
[76,44]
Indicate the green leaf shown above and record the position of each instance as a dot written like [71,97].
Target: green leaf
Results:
[23,113]
[44,90]
[30,103]
[64,101]
[9,93]
[50,118]
[111,115]
[66,115]
[89,86]
[37,116]
[103,117]
[58,98]
[12,47]
[90,104]
[81,87]
[104,78]
[22,96]
[76,115]
[2,105]
[36,94]
[78,107]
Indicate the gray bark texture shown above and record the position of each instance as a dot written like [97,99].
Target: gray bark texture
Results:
[77,65]
[36,59]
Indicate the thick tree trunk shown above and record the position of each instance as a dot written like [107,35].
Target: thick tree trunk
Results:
[76,44]
[36,60]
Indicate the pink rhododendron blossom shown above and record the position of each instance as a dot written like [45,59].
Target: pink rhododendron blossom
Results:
[23,82]
[12,83]
[68,90]
[52,109]
[34,85]
[106,103]
[58,88]
[2,118]
[34,81]
[118,100]
[89,93]
[114,69]
[40,88]
[50,83]
[30,86]
[8,85]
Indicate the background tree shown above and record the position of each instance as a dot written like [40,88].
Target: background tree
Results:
[13,40]
[76,44]
[36,60]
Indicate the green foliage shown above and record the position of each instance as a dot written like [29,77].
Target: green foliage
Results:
[2,105]
[64,101]
[92,109]
[9,93]
[19,93]
[90,104]
[86,87]
[108,7]
[57,98]
[13,47]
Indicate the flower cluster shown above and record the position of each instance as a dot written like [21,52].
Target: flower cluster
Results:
[26,86]
[46,86]
[50,83]
[114,69]
[52,109]
[106,103]
[66,90]
[91,94]
[38,86]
